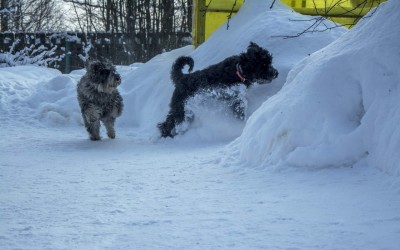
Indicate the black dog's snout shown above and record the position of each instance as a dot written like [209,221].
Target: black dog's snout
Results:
[117,78]
[276,73]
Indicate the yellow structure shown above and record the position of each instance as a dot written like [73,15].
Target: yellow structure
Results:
[345,12]
[210,14]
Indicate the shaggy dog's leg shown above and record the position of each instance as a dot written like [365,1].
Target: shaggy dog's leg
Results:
[109,120]
[109,124]
[91,117]
[94,131]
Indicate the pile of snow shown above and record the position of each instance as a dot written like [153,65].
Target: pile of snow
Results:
[147,90]
[31,93]
[339,107]
[332,111]
[18,84]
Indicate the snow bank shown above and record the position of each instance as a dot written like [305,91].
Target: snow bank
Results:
[55,101]
[338,107]
[17,84]
[31,93]
[148,89]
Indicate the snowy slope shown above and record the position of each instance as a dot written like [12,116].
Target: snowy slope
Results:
[149,93]
[58,190]
[332,114]
[147,88]
[338,107]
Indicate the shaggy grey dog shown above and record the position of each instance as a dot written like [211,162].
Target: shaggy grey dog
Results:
[99,98]
[254,65]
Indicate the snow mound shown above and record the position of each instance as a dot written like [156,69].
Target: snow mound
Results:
[17,84]
[55,101]
[48,97]
[147,90]
[338,107]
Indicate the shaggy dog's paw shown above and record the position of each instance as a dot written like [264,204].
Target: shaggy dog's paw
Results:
[95,137]
[111,134]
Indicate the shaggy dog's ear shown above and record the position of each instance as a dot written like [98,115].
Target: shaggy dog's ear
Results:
[86,64]
[95,67]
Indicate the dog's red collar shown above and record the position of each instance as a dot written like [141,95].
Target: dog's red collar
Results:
[239,73]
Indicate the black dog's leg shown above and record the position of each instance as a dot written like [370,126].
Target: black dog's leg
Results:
[175,116]
[238,108]
[167,126]
[235,101]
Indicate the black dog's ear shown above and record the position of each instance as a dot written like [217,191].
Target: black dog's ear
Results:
[252,50]
[243,59]
[252,46]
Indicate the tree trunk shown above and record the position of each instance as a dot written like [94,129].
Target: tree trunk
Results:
[4,17]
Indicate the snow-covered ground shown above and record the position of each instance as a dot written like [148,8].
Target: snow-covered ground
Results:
[315,166]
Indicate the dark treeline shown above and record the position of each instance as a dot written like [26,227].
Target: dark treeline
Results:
[132,16]
[150,26]
[31,15]
[115,16]
[149,23]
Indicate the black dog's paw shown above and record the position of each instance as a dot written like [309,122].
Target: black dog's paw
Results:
[189,116]
[166,130]
[169,128]
[238,108]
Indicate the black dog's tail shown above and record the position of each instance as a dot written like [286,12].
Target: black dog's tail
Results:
[176,71]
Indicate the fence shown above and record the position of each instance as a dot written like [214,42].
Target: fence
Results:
[74,48]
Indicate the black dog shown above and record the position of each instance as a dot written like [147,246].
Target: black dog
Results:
[99,98]
[246,68]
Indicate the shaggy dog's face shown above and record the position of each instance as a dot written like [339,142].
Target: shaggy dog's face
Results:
[256,64]
[104,76]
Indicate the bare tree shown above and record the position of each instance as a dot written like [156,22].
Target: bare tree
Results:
[9,12]
[133,16]
[317,23]
[31,15]
[3,15]
[42,15]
